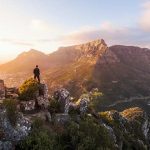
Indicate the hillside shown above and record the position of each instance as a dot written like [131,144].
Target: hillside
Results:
[118,71]
[25,62]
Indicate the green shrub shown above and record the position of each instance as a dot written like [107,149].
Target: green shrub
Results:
[11,110]
[28,89]
[54,106]
[96,99]
[39,139]
[87,135]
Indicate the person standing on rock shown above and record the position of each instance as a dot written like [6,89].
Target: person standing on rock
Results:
[36,72]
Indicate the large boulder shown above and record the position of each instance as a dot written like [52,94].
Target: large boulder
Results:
[42,97]
[33,95]
[63,98]
[83,103]
[13,134]
[129,129]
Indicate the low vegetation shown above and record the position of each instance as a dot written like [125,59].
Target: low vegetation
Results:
[11,110]
[87,135]
[28,89]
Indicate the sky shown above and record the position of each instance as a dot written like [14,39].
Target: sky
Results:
[46,25]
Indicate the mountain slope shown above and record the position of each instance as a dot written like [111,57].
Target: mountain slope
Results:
[25,62]
[118,71]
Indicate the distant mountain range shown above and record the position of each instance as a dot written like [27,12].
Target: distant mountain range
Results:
[118,71]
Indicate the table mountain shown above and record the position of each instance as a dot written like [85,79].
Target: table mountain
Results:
[118,71]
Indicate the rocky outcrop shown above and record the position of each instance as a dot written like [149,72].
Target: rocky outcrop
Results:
[42,97]
[11,135]
[41,100]
[27,105]
[63,98]
[132,125]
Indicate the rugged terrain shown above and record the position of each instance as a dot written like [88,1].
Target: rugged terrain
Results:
[119,72]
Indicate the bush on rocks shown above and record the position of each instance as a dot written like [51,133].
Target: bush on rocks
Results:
[28,89]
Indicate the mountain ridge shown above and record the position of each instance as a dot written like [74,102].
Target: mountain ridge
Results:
[118,71]
[61,56]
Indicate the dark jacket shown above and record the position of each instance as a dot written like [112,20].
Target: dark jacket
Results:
[36,71]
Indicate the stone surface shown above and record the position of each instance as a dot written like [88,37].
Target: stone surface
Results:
[83,103]
[63,97]
[27,105]
[11,133]
[133,124]
[41,100]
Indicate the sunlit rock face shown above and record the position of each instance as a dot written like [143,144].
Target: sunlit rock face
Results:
[12,134]
[92,49]
[137,116]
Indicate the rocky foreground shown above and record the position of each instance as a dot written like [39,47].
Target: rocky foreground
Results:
[78,122]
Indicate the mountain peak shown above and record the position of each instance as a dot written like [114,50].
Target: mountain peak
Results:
[34,51]
[30,52]
[93,48]
[98,42]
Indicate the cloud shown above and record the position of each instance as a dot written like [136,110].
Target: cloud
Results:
[39,25]
[15,42]
[44,28]
[112,34]
[145,15]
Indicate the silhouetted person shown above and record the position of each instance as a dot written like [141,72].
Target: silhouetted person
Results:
[36,72]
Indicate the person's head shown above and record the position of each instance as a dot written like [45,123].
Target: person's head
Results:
[37,66]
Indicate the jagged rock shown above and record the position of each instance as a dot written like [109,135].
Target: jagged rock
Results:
[27,105]
[136,116]
[131,125]
[13,134]
[83,103]
[42,97]
[63,97]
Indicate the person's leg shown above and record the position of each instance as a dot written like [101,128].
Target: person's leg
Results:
[38,77]
[34,77]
